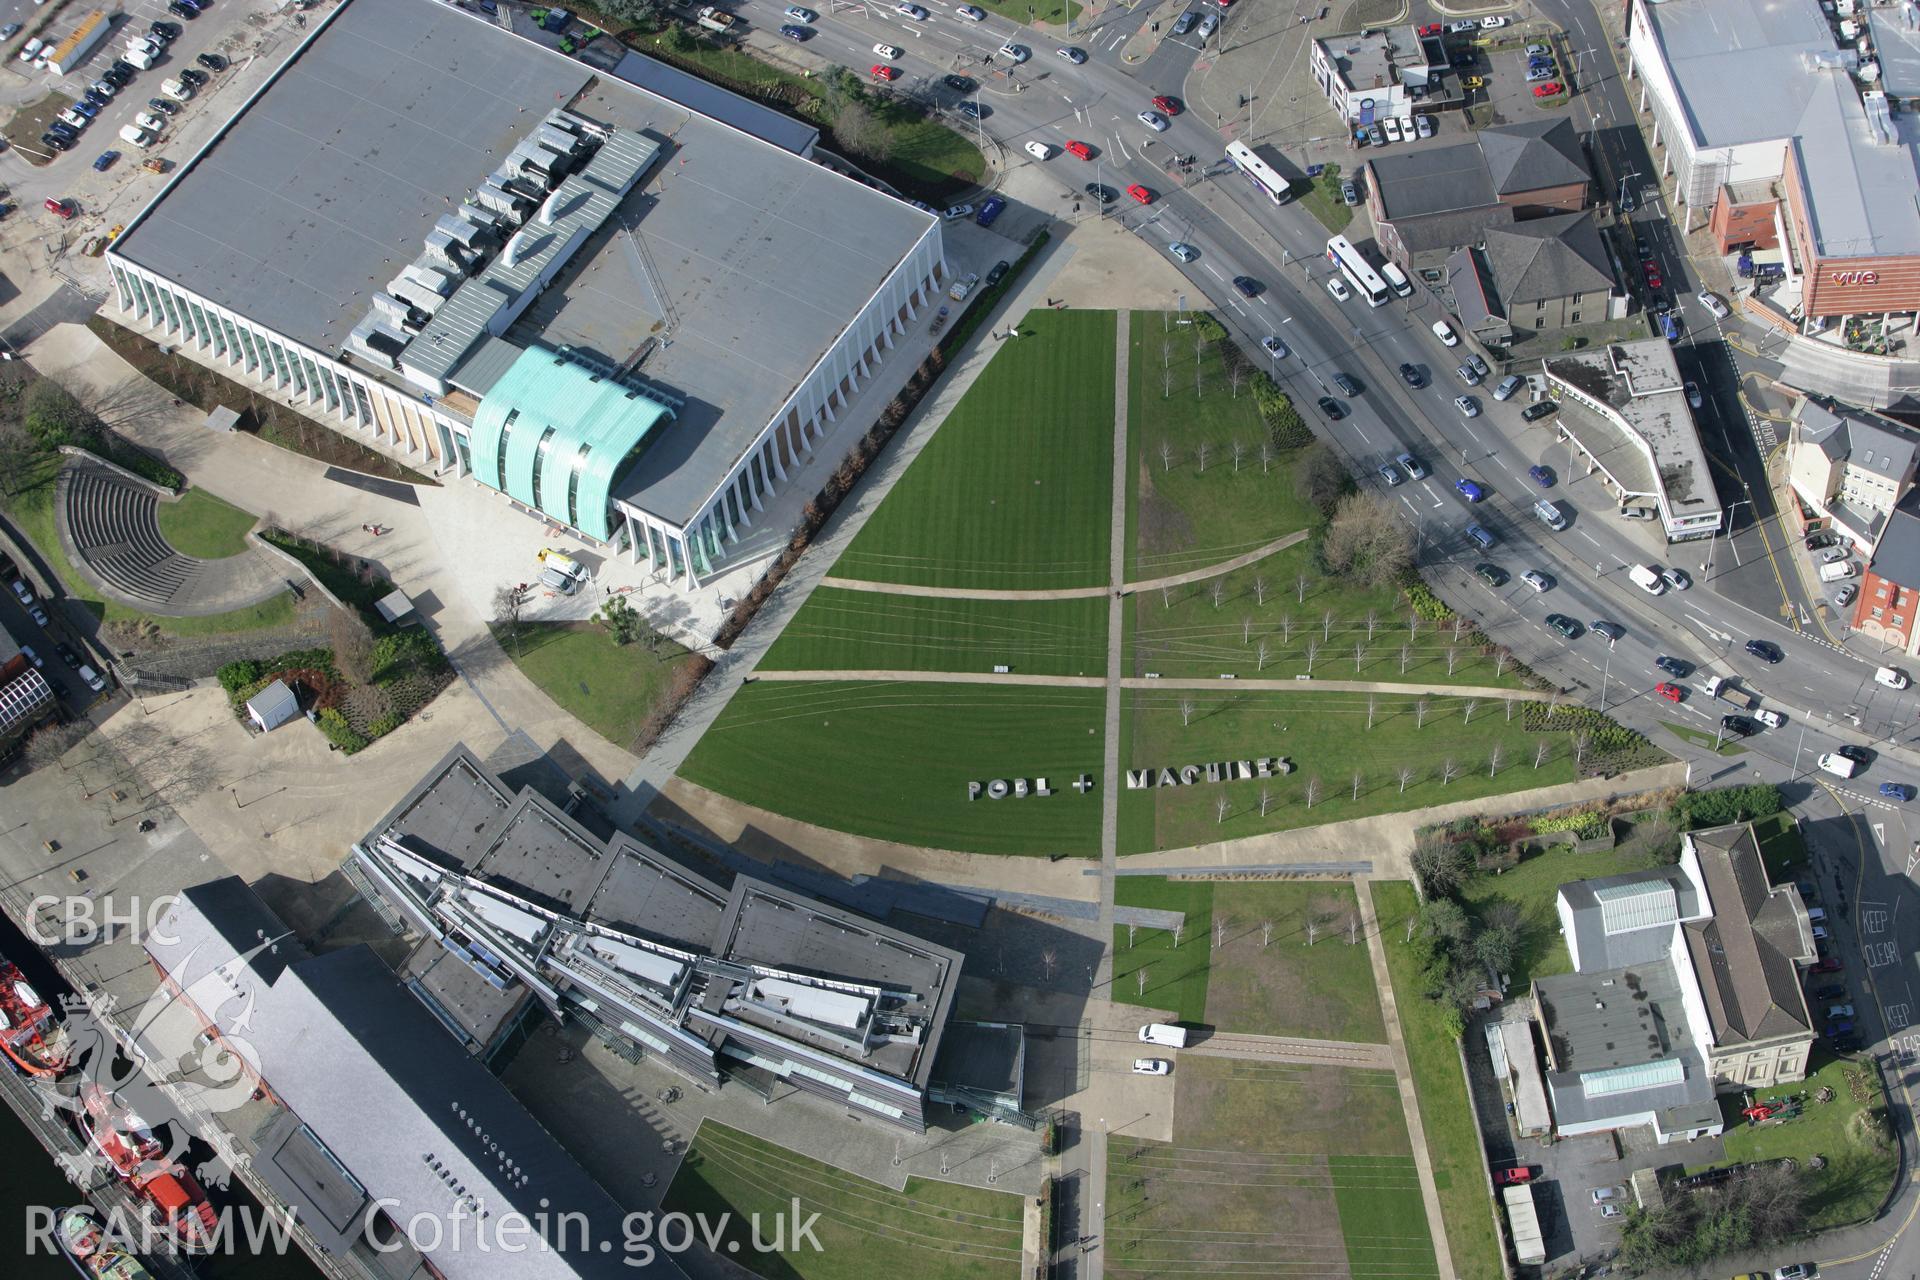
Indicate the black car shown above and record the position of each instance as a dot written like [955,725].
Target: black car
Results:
[1348,387]
[119,75]
[1491,574]
[1105,195]
[1247,285]
[1331,407]
[972,110]
[1674,667]
[179,10]
[1765,650]
[95,98]
[1859,755]
[1564,625]
[1535,412]
[54,142]
[166,32]
[999,270]
[1832,991]
[61,129]
[959,84]
[1739,725]
[1844,1044]
[165,106]
[211,61]
[195,78]
[1412,376]
[67,655]
[1820,540]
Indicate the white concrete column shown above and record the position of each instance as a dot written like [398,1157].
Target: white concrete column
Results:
[746,483]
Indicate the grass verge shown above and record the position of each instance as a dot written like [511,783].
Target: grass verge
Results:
[1452,1147]
[1321,197]
[612,689]
[1701,738]
[843,630]
[203,526]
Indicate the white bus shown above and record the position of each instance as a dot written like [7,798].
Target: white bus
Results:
[1342,254]
[1259,172]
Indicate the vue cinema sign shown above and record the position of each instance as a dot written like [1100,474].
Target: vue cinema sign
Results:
[1856,277]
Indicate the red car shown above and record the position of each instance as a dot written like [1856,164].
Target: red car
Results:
[886,73]
[1652,270]
[1140,193]
[1080,149]
[1167,106]
[1828,964]
[1518,1174]
[1550,89]
[1431,29]
[1671,692]
[63,208]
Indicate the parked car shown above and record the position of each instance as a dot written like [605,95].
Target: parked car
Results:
[1151,1067]
[1840,1027]
[1508,385]
[1896,791]
[1826,964]
[1651,270]
[1516,1175]
[104,161]
[998,270]
[39,616]
[166,32]
[1676,578]
[211,61]
[166,106]
[1423,125]
[147,120]
[195,78]
[61,207]
[56,141]
[1551,89]
[1535,412]
[1349,193]
[990,210]
[67,654]
[1469,375]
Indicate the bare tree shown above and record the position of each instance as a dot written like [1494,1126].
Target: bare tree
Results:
[1447,770]
[1406,653]
[1453,656]
[1286,628]
[1359,655]
[1313,790]
[1313,926]
[1373,705]
[1356,784]
[1246,629]
[1373,620]
[1540,753]
[1412,921]
[1581,742]
[51,742]
[1260,588]
[1459,624]
[1049,961]
[1236,374]
[1132,929]
[1186,711]
[1266,934]
[1219,932]
[1166,596]
[1260,656]
[1313,651]
[508,603]
[1420,709]
[1166,353]
[1140,981]
[1166,384]
[1266,800]
[1179,927]
[1221,807]
[1493,760]
[1413,626]
[1266,455]
[1353,927]
[1326,625]
[1300,584]
[1239,448]
[1500,659]
[1405,775]
[1509,702]
[1200,452]
[1217,592]
[1466,712]
[1166,454]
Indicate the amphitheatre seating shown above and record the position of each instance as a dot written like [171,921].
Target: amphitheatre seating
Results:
[115,527]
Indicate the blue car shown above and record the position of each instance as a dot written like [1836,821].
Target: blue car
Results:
[795,33]
[1669,327]
[1469,490]
[1840,1028]
[1542,476]
[105,162]
[989,211]
[1896,791]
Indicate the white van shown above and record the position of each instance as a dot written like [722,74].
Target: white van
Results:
[1039,150]
[1839,765]
[1646,579]
[1444,331]
[176,90]
[1550,514]
[138,58]
[1838,571]
[1164,1033]
[134,134]
[1892,677]
[1396,280]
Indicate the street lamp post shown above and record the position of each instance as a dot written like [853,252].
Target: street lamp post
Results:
[1706,566]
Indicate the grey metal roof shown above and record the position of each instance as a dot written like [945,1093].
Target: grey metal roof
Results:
[1862,190]
[744,114]
[487,363]
[645,894]
[448,814]
[1546,258]
[1532,155]
[1599,949]
[1719,51]
[324,185]
[1419,183]
[1896,557]
[1619,1018]
[275,704]
[1896,39]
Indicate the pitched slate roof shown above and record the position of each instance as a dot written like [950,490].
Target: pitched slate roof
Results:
[1744,953]
[1552,257]
[1896,557]
[1533,155]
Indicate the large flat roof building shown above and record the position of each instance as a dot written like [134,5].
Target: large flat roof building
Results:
[629,312]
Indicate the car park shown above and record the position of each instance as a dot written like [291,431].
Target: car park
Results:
[1331,407]
[75,117]
[1346,384]
[165,32]
[796,34]
[1079,149]
[1896,790]
[1551,89]
[96,99]
[1535,412]
[1469,490]
[1143,194]
[1154,121]
[1516,1175]
[1071,54]
[1538,580]
[1378,135]
[1423,125]
[1566,626]
[880,71]
[1184,252]
[1412,376]
[1467,405]
[1767,651]
[990,210]
[56,141]
[1538,51]
[1542,476]
[1671,692]
[1413,466]
[1274,347]
[104,161]
[1338,288]
[1491,574]
[1539,73]
[102,88]
[1392,125]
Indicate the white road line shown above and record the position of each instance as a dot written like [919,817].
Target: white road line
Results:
[1215,274]
[1590,538]
[1362,433]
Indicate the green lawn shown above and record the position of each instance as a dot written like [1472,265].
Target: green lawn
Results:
[1533,886]
[203,526]
[1322,199]
[610,687]
[1274,1169]
[843,630]
[931,1230]
[31,509]
[1029,12]
[1015,489]
[893,760]
[1701,738]
[1283,602]
[1326,737]
[1858,1173]
[1250,984]
[1453,1149]
[1781,847]
[1181,516]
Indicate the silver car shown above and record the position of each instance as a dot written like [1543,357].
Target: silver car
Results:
[1184,252]
[1154,121]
